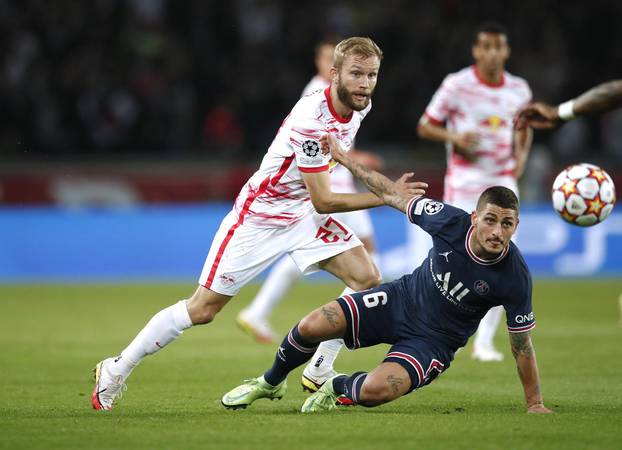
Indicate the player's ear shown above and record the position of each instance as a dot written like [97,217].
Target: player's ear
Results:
[508,52]
[333,73]
[474,217]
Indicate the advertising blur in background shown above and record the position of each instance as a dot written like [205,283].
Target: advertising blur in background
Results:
[128,127]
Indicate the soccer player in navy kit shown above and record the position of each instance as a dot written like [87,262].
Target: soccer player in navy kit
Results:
[427,315]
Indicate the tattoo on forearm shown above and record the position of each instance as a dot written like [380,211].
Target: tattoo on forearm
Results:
[521,345]
[331,315]
[376,183]
[395,383]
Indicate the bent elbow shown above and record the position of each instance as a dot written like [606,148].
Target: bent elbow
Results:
[322,207]
[422,132]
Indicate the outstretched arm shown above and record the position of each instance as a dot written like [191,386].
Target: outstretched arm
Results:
[395,194]
[525,355]
[601,98]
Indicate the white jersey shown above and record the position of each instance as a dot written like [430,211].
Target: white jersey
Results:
[341,179]
[466,103]
[276,195]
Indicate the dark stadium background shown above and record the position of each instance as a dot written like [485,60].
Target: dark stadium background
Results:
[118,104]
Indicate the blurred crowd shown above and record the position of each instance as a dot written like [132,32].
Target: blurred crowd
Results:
[213,79]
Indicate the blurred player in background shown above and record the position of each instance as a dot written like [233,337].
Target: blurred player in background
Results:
[254,318]
[282,209]
[473,112]
[427,315]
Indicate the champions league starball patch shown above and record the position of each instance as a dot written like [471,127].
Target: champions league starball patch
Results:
[432,208]
[311,148]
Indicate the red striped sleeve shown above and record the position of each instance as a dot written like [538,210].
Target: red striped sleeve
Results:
[313,169]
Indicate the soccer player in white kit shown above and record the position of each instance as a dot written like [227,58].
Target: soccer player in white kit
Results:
[283,208]
[473,112]
[254,318]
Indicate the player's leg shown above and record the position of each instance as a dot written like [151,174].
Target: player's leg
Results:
[326,322]
[483,347]
[356,269]
[225,271]
[163,328]
[385,383]
[254,318]
[361,225]
[410,364]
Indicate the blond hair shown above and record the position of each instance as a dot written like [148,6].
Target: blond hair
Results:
[361,46]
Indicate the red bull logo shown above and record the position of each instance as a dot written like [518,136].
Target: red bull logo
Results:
[493,122]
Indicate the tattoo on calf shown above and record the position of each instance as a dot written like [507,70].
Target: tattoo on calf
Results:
[395,383]
[331,315]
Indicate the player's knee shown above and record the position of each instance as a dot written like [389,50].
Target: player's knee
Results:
[203,316]
[369,280]
[204,305]
[376,392]
[309,328]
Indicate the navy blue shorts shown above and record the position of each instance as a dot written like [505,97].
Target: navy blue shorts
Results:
[380,316]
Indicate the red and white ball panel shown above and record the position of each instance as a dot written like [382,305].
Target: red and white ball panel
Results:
[583,194]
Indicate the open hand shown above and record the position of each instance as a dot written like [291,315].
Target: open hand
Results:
[538,115]
[538,408]
[404,187]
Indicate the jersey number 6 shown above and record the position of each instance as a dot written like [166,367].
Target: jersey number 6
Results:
[375,299]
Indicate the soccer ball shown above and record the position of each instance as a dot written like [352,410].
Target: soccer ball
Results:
[583,194]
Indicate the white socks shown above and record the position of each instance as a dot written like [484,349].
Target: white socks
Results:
[284,273]
[488,327]
[324,357]
[162,329]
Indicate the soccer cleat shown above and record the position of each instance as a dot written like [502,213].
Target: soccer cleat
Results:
[258,329]
[253,389]
[486,354]
[108,387]
[311,383]
[325,399]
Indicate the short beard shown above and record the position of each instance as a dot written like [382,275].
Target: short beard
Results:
[346,98]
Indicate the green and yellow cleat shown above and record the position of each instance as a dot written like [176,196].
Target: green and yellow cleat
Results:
[324,399]
[253,389]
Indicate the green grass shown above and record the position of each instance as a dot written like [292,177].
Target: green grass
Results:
[51,336]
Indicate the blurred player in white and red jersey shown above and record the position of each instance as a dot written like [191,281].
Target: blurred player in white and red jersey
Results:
[473,112]
[254,318]
[284,208]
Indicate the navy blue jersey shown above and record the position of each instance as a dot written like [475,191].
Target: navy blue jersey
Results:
[453,289]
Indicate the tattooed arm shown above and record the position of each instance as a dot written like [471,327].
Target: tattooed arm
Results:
[525,355]
[601,98]
[396,194]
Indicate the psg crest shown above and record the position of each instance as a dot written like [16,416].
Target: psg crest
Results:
[311,148]
[481,287]
[432,208]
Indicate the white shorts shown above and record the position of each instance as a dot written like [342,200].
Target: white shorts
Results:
[240,252]
[358,221]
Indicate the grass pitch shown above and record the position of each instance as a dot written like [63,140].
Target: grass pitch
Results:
[51,336]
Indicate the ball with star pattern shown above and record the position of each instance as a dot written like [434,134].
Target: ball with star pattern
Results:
[583,194]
